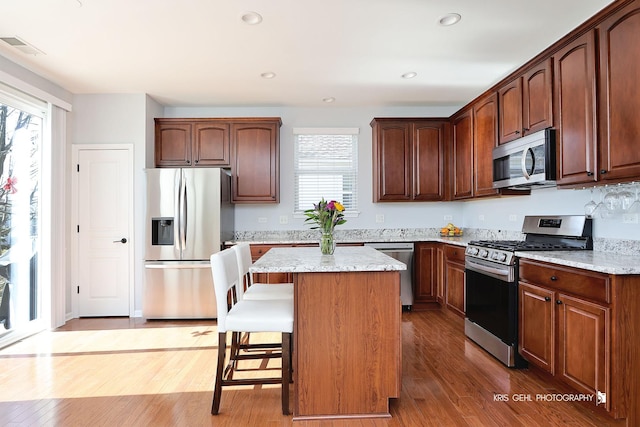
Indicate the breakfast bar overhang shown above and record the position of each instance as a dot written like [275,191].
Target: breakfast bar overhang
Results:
[347,344]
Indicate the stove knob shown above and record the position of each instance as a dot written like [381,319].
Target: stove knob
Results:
[502,257]
[484,253]
[474,251]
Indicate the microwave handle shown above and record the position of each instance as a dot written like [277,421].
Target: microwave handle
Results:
[523,160]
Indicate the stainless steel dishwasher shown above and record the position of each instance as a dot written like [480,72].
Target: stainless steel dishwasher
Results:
[403,252]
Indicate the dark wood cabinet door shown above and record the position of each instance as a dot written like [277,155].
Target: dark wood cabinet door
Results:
[392,162]
[485,133]
[425,275]
[454,277]
[440,281]
[537,326]
[256,160]
[537,98]
[428,160]
[510,99]
[583,345]
[575,91]
[211,144]
[173,144]
[620,94]
[462,162]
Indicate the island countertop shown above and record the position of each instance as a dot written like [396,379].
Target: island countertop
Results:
[309,259]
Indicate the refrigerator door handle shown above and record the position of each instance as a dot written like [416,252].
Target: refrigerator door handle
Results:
[181,212]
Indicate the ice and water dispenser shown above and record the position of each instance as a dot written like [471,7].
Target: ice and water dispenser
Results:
[162,231]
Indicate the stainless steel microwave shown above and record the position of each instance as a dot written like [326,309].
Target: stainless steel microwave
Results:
[527,162]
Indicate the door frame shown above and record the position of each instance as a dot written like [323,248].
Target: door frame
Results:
[75,256]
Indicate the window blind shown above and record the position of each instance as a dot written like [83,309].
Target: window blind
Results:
[326,166]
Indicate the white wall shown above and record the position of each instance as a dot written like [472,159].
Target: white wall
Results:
[396,215]
[121,119]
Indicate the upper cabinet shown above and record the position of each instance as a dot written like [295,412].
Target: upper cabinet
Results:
[620,94]
[462,155]
[408,159]
[255,150]
[250,146]
[474,136]
[575,97]
[191,143]
[526,103]
[485,139]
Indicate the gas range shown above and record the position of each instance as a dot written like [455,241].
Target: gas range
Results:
[543,233]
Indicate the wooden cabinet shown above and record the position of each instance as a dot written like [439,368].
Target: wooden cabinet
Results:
[526,103]
[250,146]
[537,321]
[440,283]
[583,344]
[462,155]
[255,150]
[565,324]
[454,278]
[485,139]
[575,101]
[191,143]
[619,94]
[425,275]
[408,159]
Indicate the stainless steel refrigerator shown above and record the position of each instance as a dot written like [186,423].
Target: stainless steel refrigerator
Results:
[189,217]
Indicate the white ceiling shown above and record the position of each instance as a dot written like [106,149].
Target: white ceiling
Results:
[200,52]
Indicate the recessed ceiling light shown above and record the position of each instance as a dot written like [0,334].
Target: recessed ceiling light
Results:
[409,75]
[450,19]
[328,100]
[268,75]
[252,18]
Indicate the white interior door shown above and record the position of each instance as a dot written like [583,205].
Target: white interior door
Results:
[104,186]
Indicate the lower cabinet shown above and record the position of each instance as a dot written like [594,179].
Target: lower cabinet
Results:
[565,332]
[425,281]
[454,278]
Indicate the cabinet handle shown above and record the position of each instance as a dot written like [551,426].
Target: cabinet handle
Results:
[525,130]
[197,161]
[553,278]
[558,302]
[589,173]
[517,132]
[547,299]
[602,172]
[188,162]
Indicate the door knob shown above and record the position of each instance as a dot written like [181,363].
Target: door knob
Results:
[123,240]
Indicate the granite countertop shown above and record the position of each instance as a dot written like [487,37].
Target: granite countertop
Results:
[603,262]
[309,259]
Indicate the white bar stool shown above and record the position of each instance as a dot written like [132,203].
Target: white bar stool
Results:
[258,291]
[237,316]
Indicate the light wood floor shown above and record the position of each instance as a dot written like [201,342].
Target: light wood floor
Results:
[128,372]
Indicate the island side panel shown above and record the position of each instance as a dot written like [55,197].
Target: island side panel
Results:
[347,343]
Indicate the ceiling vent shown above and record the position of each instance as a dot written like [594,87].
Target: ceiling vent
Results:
[21,45]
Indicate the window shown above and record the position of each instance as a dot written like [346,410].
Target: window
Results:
[326,166]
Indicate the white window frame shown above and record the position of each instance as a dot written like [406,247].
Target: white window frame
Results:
[350,211]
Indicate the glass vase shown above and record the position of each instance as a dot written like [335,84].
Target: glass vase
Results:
[327,244]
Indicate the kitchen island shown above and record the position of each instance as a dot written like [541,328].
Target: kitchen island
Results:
[347,345]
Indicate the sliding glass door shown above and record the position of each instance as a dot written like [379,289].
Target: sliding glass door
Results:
[21,135]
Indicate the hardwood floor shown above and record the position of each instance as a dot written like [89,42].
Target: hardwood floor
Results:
[120,371]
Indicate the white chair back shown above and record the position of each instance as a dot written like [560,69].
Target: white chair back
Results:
[243,252]
[224,268]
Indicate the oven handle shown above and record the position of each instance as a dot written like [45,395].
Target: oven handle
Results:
[493,271]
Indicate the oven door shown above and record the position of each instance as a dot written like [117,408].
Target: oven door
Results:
[492,298]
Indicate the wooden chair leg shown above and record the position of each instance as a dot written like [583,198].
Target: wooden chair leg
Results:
[217,389]
[286,371]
